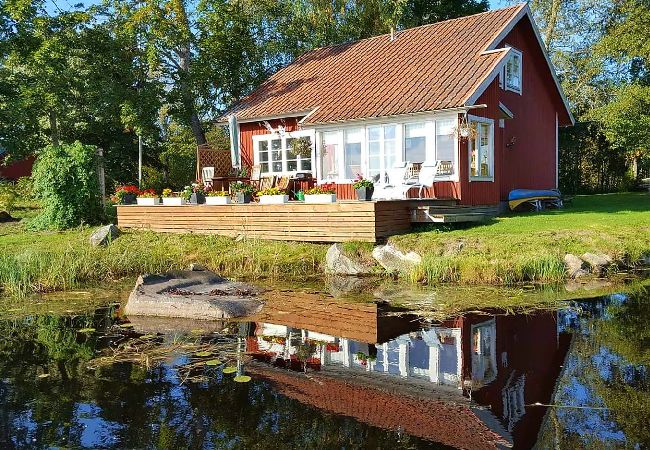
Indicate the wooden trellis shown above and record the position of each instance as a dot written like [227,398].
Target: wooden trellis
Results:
[207,156]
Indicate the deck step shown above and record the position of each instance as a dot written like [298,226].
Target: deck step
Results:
[453,214]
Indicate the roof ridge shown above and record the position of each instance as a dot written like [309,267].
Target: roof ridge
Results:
[341,44]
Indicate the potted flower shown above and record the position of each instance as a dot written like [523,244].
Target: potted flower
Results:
[197,197]
[242,192]
[125,195]
[364,187]
[325,193]
[217,198]
[148,197]
[172,199]
[272,196]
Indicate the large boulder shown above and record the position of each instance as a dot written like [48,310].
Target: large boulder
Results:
[336,263]
[104,235]
[598,262]
[192,295]
[575,266]
[394,260]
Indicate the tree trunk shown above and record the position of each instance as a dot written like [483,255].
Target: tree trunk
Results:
[551,23]
[54,128]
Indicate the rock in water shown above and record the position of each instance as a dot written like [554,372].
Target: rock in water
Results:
[575,267]
[339,264]
[104,235]
[599,262]
[394,260]
[192,295]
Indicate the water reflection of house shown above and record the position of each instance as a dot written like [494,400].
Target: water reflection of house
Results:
[507,361]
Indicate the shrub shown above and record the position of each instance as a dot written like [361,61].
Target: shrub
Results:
[65,178]
[152,178]
[8,196]
[25,188]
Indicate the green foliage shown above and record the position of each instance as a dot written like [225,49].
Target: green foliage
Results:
[8,196]
[152,178]
[66,180]
[179,156]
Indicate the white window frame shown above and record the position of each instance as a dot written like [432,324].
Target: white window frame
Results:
[430,126]
[283,137]
[514,53]
[470,148]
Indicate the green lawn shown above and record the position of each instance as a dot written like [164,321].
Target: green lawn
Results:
[531,246]
[511,249]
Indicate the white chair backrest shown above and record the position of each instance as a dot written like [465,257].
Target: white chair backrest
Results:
[428,173]
[208,173]
[397,173]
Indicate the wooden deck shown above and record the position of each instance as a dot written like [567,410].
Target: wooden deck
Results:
[295,221]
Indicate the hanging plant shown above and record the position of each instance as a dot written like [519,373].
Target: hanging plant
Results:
[466,129]
[301,147]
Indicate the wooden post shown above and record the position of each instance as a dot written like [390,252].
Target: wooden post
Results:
[101,175]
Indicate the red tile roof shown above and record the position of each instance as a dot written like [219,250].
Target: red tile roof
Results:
[427,68]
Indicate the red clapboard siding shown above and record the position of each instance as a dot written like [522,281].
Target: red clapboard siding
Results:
[18,169]
[531,162]
[250,129]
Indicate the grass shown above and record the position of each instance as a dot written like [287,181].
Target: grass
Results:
[531,246]
[511,249]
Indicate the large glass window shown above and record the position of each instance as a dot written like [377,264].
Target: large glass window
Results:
[482,152]
[352,157]
[415,142]
[374,151]
[513,71]
[446,146]
[330,155]
[274,155]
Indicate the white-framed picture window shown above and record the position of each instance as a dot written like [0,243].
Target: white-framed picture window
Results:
[274,154]
[481,150]
[513,72]
[352,155]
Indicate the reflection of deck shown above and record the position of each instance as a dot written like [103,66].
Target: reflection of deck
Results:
[336,222]
[364,322]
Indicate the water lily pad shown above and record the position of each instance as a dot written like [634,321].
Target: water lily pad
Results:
[213,362]
[242,378]
[229,369]
[87,330]
[202,354]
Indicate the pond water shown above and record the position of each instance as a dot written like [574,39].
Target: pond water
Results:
[331,374]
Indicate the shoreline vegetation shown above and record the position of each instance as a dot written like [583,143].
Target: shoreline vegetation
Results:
[522,248]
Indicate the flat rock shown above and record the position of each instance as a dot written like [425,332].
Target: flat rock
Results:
[597,261]
[199,295]
[575,266]
[104,235]
[336,263]
[394,260]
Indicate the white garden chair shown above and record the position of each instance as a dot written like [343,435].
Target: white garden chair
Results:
[426,177]
[394,188]
[207,175]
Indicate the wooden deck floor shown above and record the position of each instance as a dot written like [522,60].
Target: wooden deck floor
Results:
[337,222]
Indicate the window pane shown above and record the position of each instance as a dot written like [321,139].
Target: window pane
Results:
[352,155]
[445,145]
[264,146]
[374,133]
[513,72]
[374,158]
[415,142]
[305,164]
[264,167]
[484,149]
[292,165]
[329,154]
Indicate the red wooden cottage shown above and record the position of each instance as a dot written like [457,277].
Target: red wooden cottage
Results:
[477,95]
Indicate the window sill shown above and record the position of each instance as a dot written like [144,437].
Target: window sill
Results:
[516,91]
[471,179]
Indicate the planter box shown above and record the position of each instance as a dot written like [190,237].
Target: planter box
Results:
[145,201]
[129,199]
[173,201]
[273,199]
[240,197]
[225,200]
[197,199]
[365,193]
[320,198]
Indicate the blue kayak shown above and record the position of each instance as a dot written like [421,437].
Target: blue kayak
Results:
[519,196]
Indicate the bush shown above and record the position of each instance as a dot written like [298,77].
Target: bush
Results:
[25,188]
[65,178]
[7,196]
[152,178]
